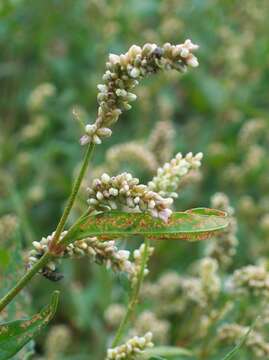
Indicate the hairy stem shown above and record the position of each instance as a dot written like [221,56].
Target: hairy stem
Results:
[53,246]
[133,299]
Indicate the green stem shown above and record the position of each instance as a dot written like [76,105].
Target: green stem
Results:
[24,280]
[71,235]
[133,299]
[50,255]
[73,195]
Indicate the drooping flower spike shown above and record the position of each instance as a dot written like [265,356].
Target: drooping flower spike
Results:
[123,73]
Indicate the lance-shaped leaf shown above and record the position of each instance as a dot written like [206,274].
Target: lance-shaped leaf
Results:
[195,224]
[15,334]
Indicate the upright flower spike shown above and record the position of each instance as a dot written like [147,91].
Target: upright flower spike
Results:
[124,191]
[251,279]
[224,247]
[123,73]
[137,264]
[169,176]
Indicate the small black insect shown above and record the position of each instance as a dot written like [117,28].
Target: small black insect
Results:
[52,275]
[158,52]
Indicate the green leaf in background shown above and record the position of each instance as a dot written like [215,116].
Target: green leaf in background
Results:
[195,224]
[161,352]
[15,334]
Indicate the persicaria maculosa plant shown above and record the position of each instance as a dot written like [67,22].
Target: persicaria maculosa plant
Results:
[118,206]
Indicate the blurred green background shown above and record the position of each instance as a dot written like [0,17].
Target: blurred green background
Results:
[52,56]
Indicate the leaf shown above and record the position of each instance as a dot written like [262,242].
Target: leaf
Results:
[167,351]
[195,224]
[15,334]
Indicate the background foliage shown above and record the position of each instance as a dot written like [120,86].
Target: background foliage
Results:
[219,108]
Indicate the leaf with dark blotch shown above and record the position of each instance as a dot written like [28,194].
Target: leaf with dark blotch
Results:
[15,334]
[192,225]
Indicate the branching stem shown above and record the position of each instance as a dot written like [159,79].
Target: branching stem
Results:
[53,246]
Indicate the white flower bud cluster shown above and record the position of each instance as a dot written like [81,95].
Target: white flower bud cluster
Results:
[251,279]
[148,321]
[57,341]
[102,252]
[8,224]
[161,140]
[138,256]
[124,191]
[173,293]
[224,247]
[251,131]
[221,201]
[114,314]
[39,95]
[35,128]
[254,342]
[211,282]
[123,73]
[193,292]
[40,248]
[132,152]
[255,158]
[131,349]
[168,177]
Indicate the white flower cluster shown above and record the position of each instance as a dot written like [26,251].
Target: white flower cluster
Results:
[122,75]
[209,278]
[169,176]
[131,349]
[100,252]
[173,293]
[40,248]
[57,341]
[39,95]
[114,314]
[8,224]
[131,151]
[138,256]
[221,201]
[148,321]
[223,248]
[251,279]
[160,142]
[251,131]
[124,191]
[254,342]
